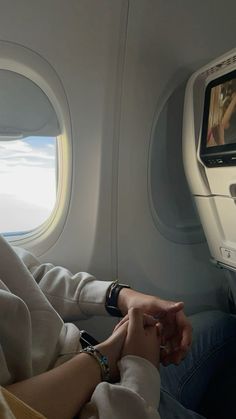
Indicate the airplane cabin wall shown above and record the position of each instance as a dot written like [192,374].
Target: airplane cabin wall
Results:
[120,62]
[166,42]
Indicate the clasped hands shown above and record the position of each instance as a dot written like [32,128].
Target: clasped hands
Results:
[151,328]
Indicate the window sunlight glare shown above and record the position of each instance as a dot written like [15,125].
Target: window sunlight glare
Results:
[27,183]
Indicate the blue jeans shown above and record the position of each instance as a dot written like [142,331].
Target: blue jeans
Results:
[204,381]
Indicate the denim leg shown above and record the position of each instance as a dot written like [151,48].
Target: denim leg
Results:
[214,346]
[170,408]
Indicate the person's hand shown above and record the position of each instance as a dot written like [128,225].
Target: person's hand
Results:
[143,341]
[112,349]
[147,321]
[177,330]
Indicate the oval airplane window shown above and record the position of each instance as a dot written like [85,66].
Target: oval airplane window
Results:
[29,129]
[171,203]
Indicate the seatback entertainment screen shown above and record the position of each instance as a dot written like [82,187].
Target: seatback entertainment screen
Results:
[218,141]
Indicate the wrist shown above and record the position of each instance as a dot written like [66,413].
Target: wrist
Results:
[112,297]
[100,359]
[123,298]
[109,351]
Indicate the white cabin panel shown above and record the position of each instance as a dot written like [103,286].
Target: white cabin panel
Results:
[119,62]
[165,43]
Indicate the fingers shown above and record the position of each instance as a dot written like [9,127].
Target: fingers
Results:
[119,335]
[166,307]
[122,329]
[147,321]
[136,316]
[174,351]
[174,307]
[122,321]
[187,337]
[186,333]
[176,348]
[174,357]
[159,329]
[135,321]
[180,341]
[185,343]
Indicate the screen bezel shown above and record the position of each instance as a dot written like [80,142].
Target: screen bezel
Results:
[220,150]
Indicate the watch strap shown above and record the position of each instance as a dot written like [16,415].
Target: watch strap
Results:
[111,304]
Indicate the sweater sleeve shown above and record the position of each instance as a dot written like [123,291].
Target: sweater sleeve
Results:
[74,297]
[136,396]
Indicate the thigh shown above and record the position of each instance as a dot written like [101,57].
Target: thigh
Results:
[214,342]
[170,408]
[219,401]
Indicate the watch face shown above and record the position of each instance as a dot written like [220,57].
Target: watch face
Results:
[86,339]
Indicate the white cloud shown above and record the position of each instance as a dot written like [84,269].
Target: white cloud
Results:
[20,152]
[27,183]
[18,215]
[30,184]
[15,145]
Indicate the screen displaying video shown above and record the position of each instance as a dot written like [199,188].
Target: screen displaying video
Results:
[222,114]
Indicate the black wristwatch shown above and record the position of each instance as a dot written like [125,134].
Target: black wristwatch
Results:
[112,298]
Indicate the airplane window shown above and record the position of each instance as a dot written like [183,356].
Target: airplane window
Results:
[29,129]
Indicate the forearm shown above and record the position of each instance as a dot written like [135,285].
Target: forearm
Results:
[74,297]
[124,295]
[62,391]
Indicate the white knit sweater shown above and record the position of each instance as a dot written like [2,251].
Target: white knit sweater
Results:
[35,301]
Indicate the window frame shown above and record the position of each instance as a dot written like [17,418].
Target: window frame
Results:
[17,58]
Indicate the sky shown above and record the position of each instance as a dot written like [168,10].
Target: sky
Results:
[27,182]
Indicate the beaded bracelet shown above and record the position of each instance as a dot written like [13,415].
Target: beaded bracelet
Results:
[101,359]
